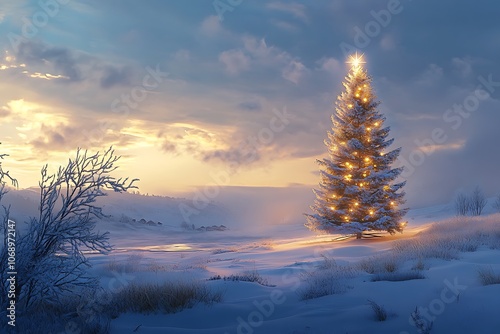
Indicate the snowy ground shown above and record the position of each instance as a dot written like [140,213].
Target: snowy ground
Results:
[291,259]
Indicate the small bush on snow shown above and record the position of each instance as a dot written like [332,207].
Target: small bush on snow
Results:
[386,263]
[330,278]
[422,325]
[166,297]
[247,276]
[378,310]
[487,276]
[419,265]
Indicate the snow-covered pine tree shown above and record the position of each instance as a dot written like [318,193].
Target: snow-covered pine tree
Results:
[357,191]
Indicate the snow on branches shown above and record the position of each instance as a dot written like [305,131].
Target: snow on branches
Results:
[357,191]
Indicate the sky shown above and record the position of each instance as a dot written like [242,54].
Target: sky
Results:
[240,93]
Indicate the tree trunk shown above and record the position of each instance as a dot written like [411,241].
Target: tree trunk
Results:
[358,235]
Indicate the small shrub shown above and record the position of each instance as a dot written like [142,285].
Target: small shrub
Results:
[487,276]
[391,265]
[477,202]
[462,205]
[329,279]
[367,265]
[381,263]
[166,297]
[470,205]
[247,276]
[398,276]
[380,312]
[419,265]
[423,327]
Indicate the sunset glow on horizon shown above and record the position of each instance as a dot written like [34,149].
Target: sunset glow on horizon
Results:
[183,95]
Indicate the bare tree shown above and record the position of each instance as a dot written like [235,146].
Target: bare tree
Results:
[477,202]
[50,258]
[462,205]
[5,174]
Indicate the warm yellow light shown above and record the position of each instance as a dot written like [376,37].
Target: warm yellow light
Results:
[346,218]
[365,99]
[332,208]
[364,85]
[368,129]
[355,153]
[349,105]
[371,212]
[356,203]
[392,203]
[357,95]
[350,210]
[367,159]
[381,154]
[356,60]
[376,123]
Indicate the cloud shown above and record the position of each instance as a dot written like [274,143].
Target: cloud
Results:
[331,65]
[295,9]
[235,61]
[266,56]
[4,112]
[45,129]
[236,157]
[61,59]
[429,149]
[285,26]
[260,50]
[462,66]
[53,137]
[182,138]
[211,26]
[250,106]
[116,76]
[45,76]
[182,55]
[294,72]
[431,75]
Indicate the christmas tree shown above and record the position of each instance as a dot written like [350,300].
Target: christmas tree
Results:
[357,191]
